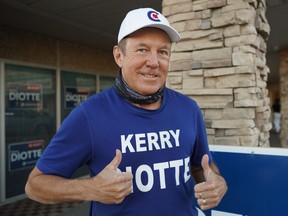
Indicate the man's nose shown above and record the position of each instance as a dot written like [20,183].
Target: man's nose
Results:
[153,60]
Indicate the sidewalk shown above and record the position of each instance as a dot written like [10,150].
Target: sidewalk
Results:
[79,210]
[27,207]
[274,139]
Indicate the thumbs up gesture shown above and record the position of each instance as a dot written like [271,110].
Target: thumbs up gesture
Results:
[110,186]
[210,192]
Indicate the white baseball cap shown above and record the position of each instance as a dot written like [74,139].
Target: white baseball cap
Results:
[146,17]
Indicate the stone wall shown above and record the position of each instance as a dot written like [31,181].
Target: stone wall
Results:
[220,62]
[283,97]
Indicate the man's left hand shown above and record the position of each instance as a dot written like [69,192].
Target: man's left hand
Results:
[210,192]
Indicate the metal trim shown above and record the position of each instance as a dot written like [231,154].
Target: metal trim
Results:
[2,133]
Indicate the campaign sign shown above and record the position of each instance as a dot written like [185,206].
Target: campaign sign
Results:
[257,180]
[74,96]
[25,96]
[25,154]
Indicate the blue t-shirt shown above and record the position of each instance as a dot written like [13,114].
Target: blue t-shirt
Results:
[157,148]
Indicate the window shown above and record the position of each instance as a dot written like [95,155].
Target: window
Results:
[106,82]
[75,88]
[30,115]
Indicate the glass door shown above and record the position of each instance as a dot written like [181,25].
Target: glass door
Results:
[30,115]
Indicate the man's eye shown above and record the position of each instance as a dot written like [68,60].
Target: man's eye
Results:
[141,50]
[163,52]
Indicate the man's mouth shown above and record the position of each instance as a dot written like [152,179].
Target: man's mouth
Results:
[149,76]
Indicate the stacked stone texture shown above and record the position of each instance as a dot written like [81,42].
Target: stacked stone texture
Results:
[284,98]
[220,62]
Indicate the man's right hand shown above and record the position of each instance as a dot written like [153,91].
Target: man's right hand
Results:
[110,185]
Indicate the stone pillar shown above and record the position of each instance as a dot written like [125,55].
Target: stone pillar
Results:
[220,62]
[283,97]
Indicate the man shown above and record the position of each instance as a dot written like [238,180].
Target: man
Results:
[140,139]
[277,115]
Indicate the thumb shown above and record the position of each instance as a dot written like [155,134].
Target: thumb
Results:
[116,160]
[206,167]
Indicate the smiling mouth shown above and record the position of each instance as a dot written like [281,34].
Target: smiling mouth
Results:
[150,76]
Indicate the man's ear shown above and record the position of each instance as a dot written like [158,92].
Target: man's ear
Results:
[117,55]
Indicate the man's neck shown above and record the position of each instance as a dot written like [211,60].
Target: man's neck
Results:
[153,106]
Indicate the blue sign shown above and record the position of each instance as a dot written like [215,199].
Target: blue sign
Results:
[24,96]
[74,96]
[257,181]
[24,155]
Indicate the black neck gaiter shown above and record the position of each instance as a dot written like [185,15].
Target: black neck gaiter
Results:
[122,89]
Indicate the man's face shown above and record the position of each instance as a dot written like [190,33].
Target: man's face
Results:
[145,62]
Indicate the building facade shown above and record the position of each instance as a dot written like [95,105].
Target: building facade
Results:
[220,62]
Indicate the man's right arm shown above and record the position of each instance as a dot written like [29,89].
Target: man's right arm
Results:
[107,187]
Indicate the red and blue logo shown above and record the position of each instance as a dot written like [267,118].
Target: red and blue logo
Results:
[153,15]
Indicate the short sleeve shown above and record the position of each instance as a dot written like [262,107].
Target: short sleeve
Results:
[70,148]
[201,146]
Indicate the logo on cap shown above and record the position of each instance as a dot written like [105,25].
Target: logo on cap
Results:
[153,15]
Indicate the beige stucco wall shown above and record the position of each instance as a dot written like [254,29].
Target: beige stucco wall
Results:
[32,48]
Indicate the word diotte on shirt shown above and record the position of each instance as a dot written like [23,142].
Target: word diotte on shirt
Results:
[143,142]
